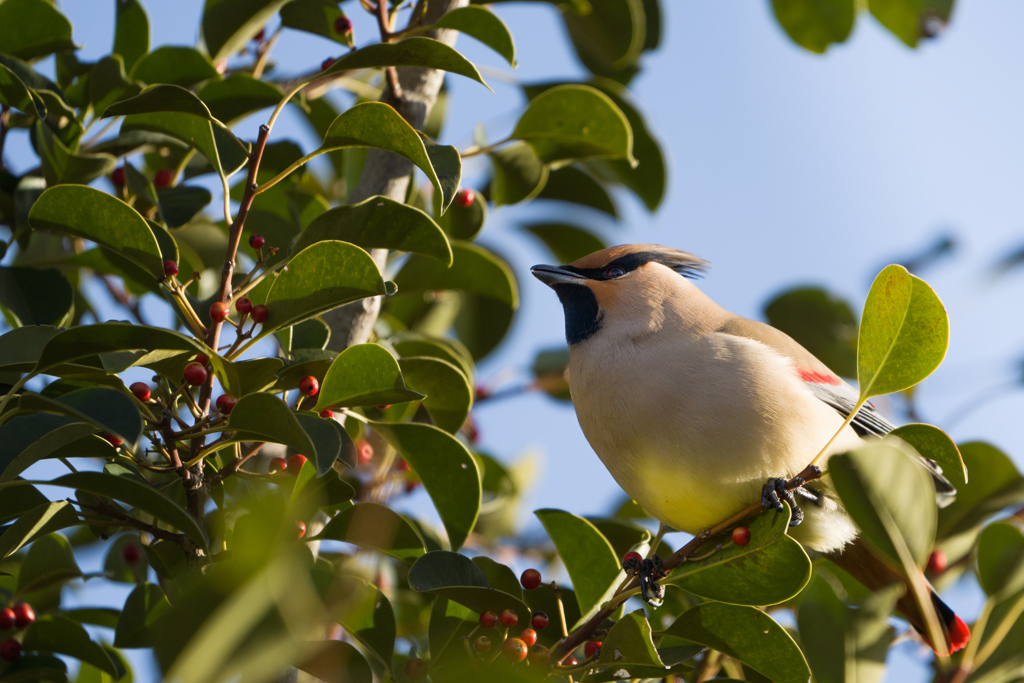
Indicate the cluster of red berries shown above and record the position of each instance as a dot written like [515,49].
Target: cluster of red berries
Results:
[292,465]
[163,178]
[17,617]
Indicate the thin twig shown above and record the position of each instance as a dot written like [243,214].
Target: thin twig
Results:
[233,466]
[5,117]
[108,510]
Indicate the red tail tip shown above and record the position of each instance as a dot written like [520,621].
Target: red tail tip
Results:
[959,634]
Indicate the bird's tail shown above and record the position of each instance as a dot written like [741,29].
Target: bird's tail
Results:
[862,565]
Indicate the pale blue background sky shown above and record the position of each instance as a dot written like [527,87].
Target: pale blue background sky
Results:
[785,168]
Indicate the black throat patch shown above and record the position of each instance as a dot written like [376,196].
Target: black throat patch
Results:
[582,314]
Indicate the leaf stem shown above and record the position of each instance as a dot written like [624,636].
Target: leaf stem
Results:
[476,151]
[1008,622]
[286,172]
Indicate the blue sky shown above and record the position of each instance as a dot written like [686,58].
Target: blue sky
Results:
[786,168]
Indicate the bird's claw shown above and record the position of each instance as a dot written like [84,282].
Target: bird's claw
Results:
[776,491]
[649,572]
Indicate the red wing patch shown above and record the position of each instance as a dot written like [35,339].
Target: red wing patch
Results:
[817,377]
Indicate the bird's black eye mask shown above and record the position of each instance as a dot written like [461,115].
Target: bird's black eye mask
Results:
[630,262]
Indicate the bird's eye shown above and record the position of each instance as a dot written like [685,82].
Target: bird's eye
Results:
[614,272]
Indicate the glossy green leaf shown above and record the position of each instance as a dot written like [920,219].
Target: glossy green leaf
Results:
[369,618]
[482,323]
[772,568]
[320,278]
[364,375]
[933,443]
[35,296]
[904,333]
[136,626]
[566,242]
[94,215]
[484,25]
[327,441]
[575,122]
[268,417]
[15,94]
[995,484]
[108,83]
[1007,657]
[229,24]
[891,499]
[816,24]
[106,408]
[474,270]
[131,32]
[447,469]
[26,439]
[288,378]
[629,642]
[409,344]
[61,165]
[175,65]
[116,568]
[180,204]
[449,395]
[334,661]
[1001,560]
[20,347]
[519,174]
[238,95]
[463,222]
[622,535]
[375,527]
[609,37]
[499,576]
[908,19]
[746,634]
[822,323]
[95,616]
[257,374]
[50,561]
[377,125]
[572,184]
[316,17]
[35,522]
[457,578]
[422,52]
[588,557]
[56,634]
[33,28]
[379,223]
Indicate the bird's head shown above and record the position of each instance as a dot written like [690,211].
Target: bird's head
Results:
[619,284]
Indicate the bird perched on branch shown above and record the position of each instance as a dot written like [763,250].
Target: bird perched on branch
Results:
[697,412]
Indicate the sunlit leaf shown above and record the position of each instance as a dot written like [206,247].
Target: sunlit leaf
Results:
[375,527]
[33,28]
[816,24]
[364,375]
[229,24]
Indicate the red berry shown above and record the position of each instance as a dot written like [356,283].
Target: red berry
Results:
[309,386]
[10,649]
[117,176]
[482,393]
[570,661]
[141,390]
[326,64]
[401,465]
[295,464]
[300,527]
[591,648]
[114,441]
[365,451]
[218,311]
[244,305]
[194,374]
[539,620]
[528,636]
[6,619]
[256,241]
[488,619]
[384,407]
[261,35]
[514,650]
[342,25]
[202,359]
[163,178]
[130,553]
[23,615]
[278,465]
[260,313]
[530,580]
[508,617]
[482,644]
[411,486]
[226,403]
[170,268]
[539,655]
[741,535]
[465,198]
[415,669]
[937,562]
[632,555]
[327,414]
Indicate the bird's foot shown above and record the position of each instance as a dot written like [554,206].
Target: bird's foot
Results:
[649,571]
[776,491]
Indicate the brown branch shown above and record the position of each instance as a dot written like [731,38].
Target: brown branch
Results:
[108,510]
[233,466]
[384,24]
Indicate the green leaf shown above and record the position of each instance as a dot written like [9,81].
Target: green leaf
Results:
[566,242]
[456,577]
[27,439]
[995,484]
[108,83]
[333,661]
[257,374]
[482,323]
[55,633]
[229,24]
[108,409]
[94,215]
[34,523]
[95,616]
[609,37]
[327,440]
[629,642]
[180,204]
[368,617]
[1001,560]
[316,17]
[484,25]
[588,557]
[35,296]
[409,344]
[14,93]
[144,606]
[138,495]
[449,395]
[61,165]
[268,417]
[318,279]
[908,19]
[463,222]
[904,333]
[422,52]
[822,323]
[474,270]
[771,569]
[890,497]
[622,535]
[575,122]
[379,223]
[238,96]
[375,527]
[50,560]
[572,184]
[499,576]
[543,600]
[931,442]
[33,28]
[175,65]
[746,634]
[519,174]
[131,32]
[116,568]
[364,375]
[816,24]
[447,469]
[377,125]
[20,347]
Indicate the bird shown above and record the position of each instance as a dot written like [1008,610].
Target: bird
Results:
[697,412]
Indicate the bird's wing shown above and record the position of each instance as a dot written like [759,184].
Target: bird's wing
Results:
[832,390]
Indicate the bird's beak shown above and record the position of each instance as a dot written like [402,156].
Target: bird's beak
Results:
[553,275]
